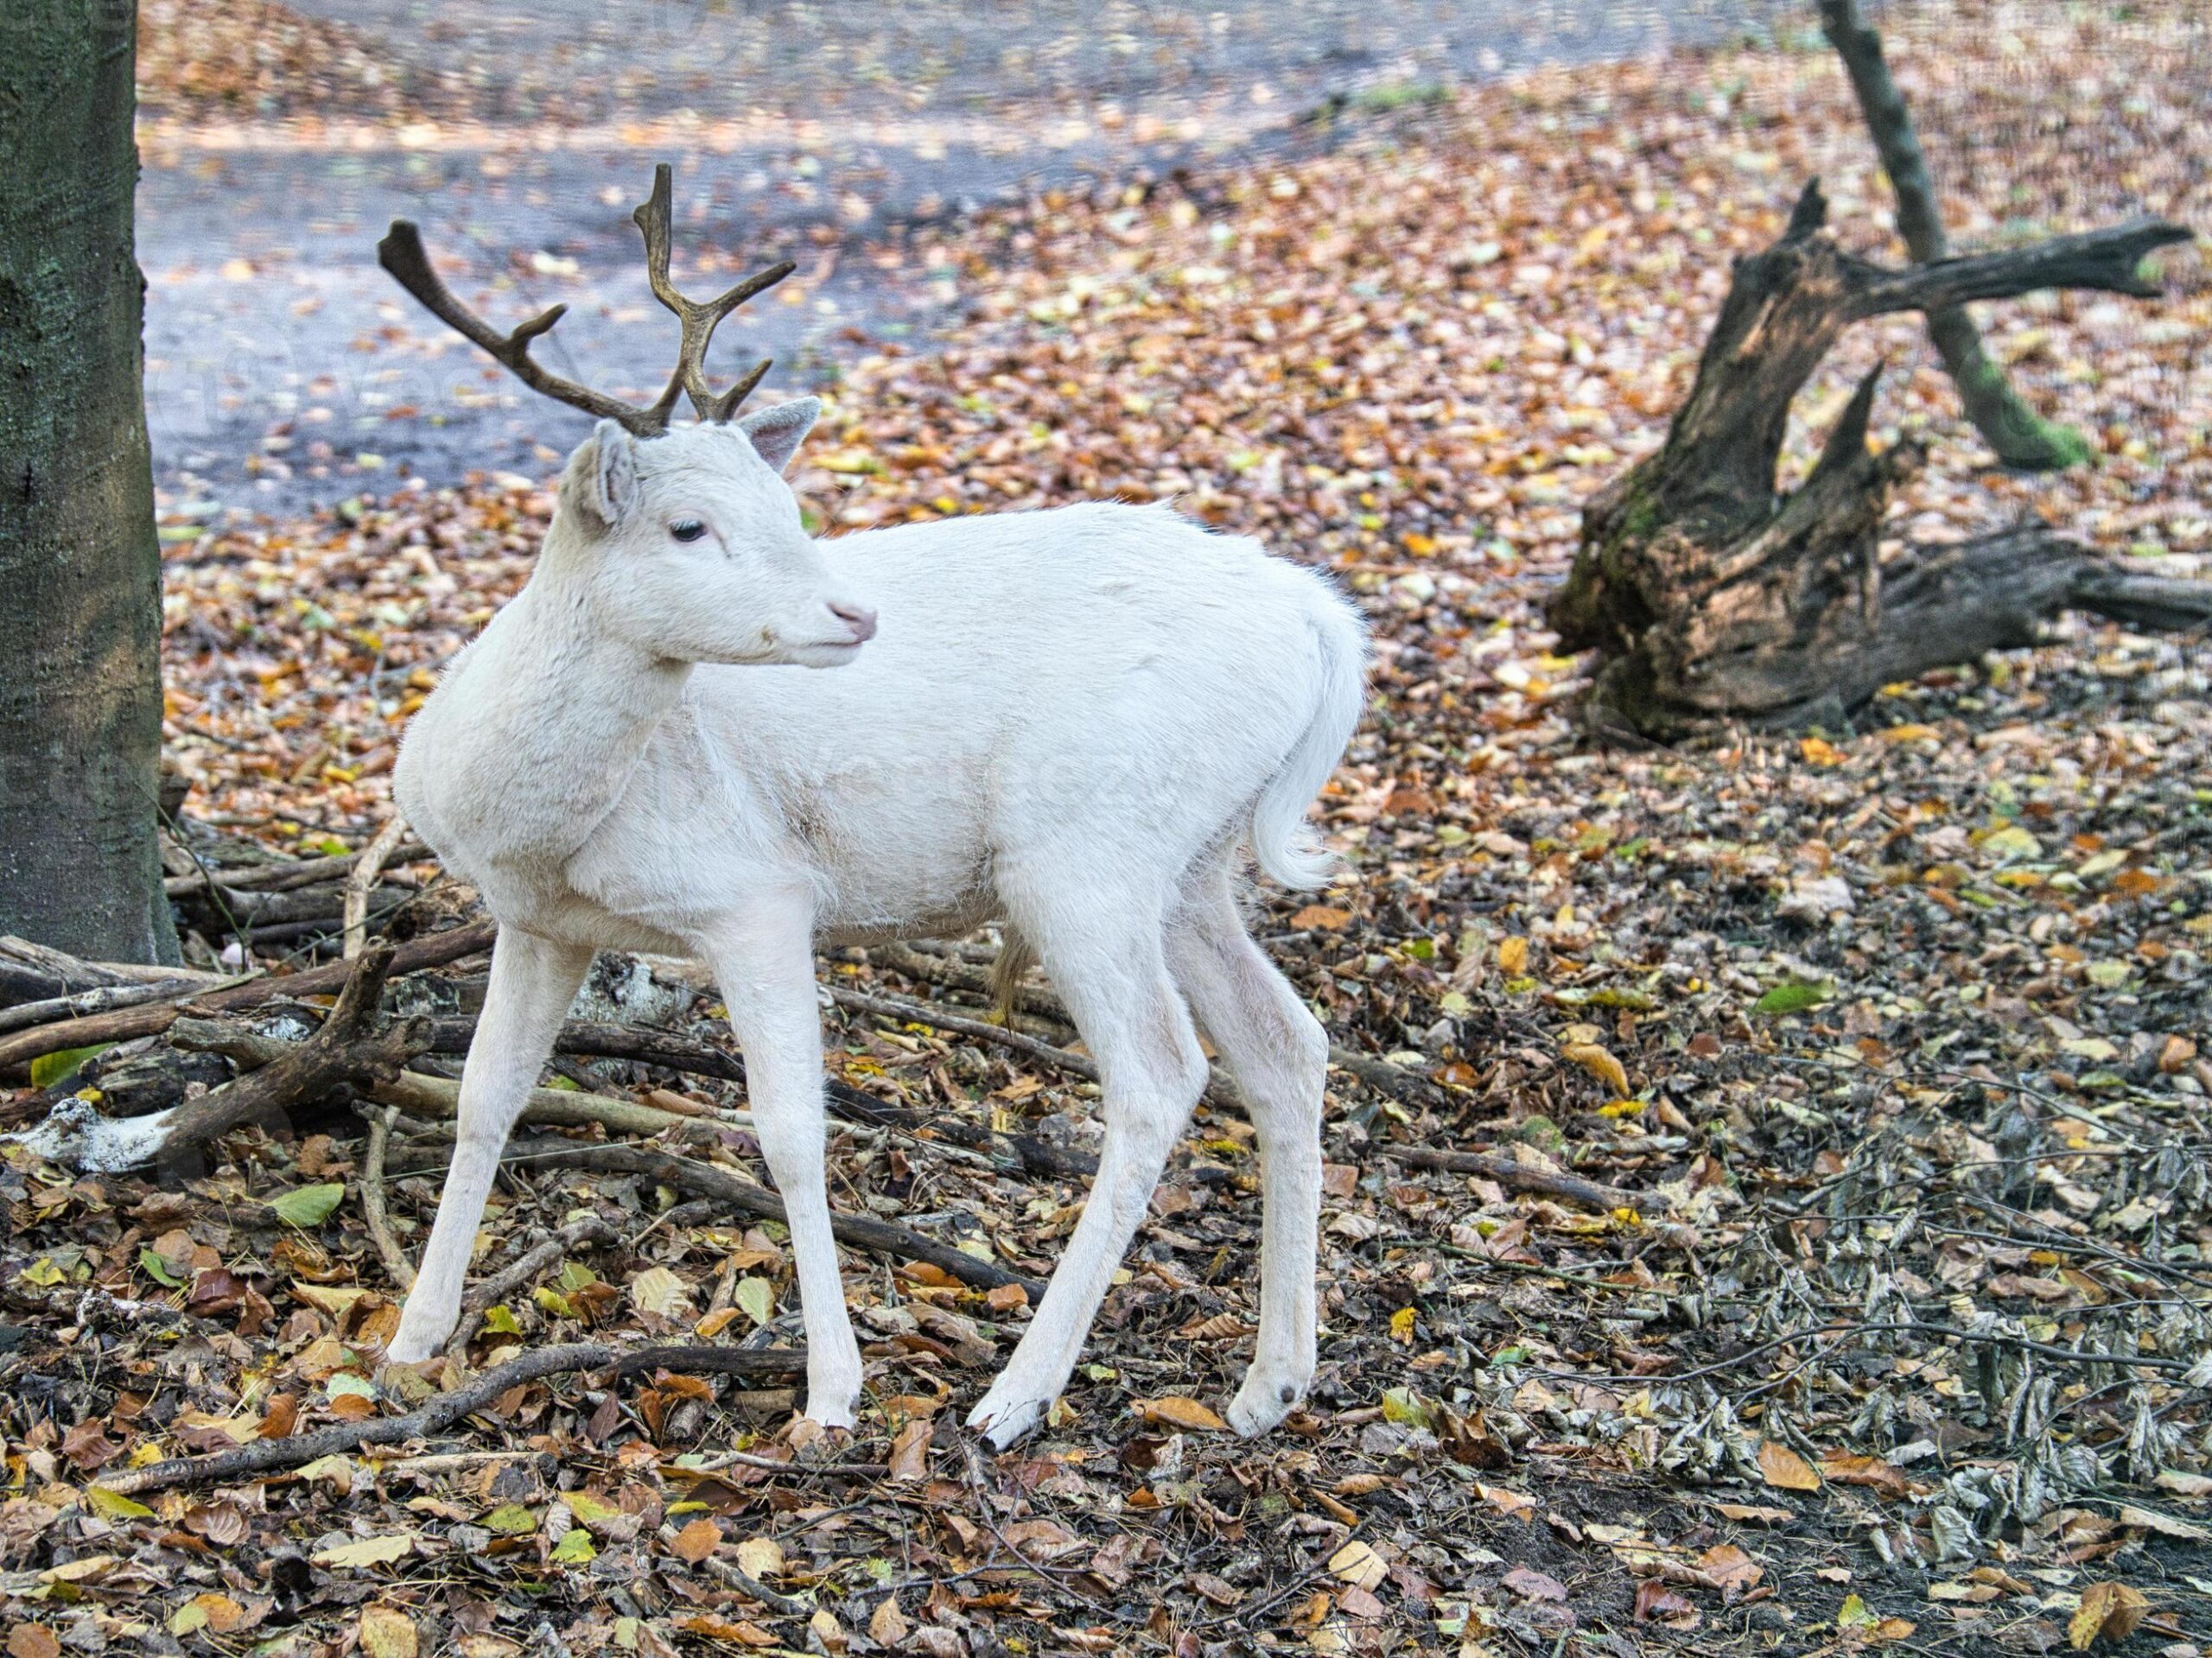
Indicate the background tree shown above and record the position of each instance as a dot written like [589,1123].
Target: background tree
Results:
[81,697]
[2020,436]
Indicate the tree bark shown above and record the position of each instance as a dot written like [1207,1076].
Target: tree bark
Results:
[80,699]
[2021,437]
[1716,600]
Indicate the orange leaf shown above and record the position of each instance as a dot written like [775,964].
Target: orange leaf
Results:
[1600,1064]
[1781,1466]
[697,1540]
[1321,919]
[1175,1411]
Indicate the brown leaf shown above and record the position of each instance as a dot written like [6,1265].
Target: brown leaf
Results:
[1532,1585]
[696,1540]
[87,1444]
[33,1641]
[889,1626]
[1654,1602]
[1781,1466]
[1737,1572]
[910,1451]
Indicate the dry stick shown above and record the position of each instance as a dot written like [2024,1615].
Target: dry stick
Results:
[397,1266]
[1396,1080]
[524,1270]
[362,879]
[914,1013]
[750,1197]
[1521,1177]
[266,1457]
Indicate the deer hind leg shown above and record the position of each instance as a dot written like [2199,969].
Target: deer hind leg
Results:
[533,980]
[1279,1055]
[1152,1071]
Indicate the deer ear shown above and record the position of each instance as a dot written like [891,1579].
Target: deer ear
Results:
[614,482]
[776,432]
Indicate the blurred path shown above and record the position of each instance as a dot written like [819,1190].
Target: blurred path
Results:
[285,369]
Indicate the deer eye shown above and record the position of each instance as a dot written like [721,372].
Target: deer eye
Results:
[687,530]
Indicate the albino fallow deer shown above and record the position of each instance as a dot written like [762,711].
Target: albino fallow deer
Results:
[1068,722]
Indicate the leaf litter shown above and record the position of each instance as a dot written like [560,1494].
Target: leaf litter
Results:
[1893,1032]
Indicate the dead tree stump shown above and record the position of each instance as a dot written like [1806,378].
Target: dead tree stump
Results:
[1715,600]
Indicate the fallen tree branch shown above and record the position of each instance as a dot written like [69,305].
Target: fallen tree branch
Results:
[104,1000]
[1521,1177]
[440,1096]
[342,1053]
[748,1197]
[266,1457]
[914,1013]
[120,1025]
[1395,1080]
[433,950]
[590,1038]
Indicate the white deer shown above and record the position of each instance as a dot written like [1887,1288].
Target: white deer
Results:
[1070,723]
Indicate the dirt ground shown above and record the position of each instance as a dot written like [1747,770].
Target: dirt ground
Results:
[1825,1267]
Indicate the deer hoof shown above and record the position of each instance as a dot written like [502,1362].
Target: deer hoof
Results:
[1261,1403]
[1004,1423]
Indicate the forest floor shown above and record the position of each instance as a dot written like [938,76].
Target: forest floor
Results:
[1893,1041]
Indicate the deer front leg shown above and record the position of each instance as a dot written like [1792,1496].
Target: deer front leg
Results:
[766,968]
[533,980]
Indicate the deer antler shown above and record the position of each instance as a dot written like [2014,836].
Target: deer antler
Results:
[401,253]
[699,321]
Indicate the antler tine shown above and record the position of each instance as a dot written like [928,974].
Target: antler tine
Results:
[656,220]
[401,253]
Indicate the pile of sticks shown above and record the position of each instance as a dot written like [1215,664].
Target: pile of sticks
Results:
[355,1052]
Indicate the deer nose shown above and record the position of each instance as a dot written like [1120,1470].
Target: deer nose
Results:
[858,618]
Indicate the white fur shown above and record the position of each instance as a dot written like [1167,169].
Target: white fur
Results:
[1070,722]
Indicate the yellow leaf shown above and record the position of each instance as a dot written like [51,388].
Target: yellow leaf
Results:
[1818,751]
[760,1557]
[1600,1064]
[1513,954]
[715,1323]
[1359,1565]
[387,1632]
[757,1296]
[1402,1325]
[658,1290]
[1781,1466]
[2108,1611]
[114,1505]
[1175,1411]
[365,1552]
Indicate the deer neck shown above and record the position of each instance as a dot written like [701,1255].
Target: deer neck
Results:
[543,726]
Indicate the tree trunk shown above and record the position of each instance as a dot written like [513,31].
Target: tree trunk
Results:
[2021,437]
[1715,600]
[80,695]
